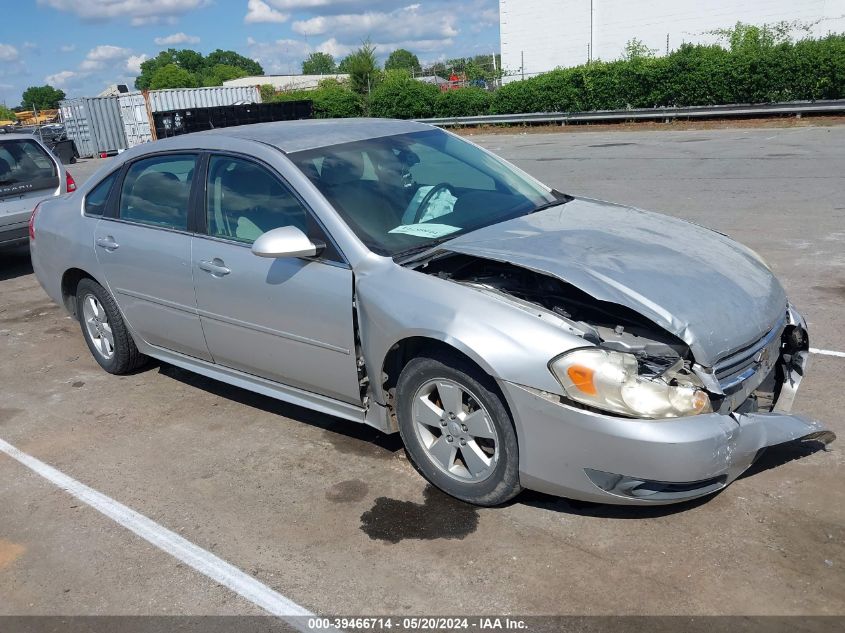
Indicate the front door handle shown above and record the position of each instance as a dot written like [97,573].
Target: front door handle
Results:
[216,267]
[108,243]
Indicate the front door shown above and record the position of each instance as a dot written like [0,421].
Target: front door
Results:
[288,320]
[146,254]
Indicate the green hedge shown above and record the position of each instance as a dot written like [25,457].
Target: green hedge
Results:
[401,97]
[692,75]
[332,100]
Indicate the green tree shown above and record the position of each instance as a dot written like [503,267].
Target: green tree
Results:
[216,75]
[402,59]
[363,69]
[192,61]
[636,49]
[173,76]
[319,64]
[231,58]
[748,37]
[201,68]
[151,66]
[42,97]
[6,114]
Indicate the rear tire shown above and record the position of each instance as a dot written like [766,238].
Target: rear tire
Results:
[104,330]
[457,430]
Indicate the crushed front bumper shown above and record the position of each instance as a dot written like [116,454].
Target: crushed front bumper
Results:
[583,454]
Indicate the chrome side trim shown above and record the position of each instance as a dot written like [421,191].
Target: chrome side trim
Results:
[285,393]
[156,300]
[267,330]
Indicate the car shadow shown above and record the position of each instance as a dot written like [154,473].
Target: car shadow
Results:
[780,454]
[357,438]
[604,510]
[360,439]
[14,262]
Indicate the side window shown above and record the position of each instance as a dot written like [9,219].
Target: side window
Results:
[156,191]
[245,200]
[95,201]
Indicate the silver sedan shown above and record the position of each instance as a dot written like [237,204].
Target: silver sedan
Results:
[392,274]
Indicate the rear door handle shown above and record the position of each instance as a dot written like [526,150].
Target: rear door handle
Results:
[108,243]
[215,267]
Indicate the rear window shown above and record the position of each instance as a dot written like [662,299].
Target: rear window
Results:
[95,201]
[25,167]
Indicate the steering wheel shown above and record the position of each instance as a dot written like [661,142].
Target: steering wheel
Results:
[441,186]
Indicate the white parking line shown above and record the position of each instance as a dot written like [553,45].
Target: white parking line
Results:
[201,560]
[827,352]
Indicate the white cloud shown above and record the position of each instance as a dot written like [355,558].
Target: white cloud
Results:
[139,12]
[335,48]
[328,7]
[68,48]
[8,53]
[259,11]
[60,78]
[98,57]
[281,57]
[177,38]
[133,63]
[403,24]
[30,45]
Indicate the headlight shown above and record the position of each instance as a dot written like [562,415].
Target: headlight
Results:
[611,381]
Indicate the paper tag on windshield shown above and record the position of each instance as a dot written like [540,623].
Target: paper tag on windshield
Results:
[426,230]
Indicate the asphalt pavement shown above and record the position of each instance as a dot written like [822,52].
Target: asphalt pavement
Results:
[333,517]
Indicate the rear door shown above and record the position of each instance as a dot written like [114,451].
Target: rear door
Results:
[145,251]
[288,320]
[27,174]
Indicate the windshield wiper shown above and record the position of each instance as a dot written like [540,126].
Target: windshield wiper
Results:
[562,198]
[409,255]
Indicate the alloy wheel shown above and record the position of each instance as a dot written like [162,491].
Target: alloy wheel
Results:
[455,430]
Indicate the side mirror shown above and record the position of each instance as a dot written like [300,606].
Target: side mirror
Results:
[286,241]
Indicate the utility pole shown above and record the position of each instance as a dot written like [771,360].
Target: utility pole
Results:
[667,43]
[522,64]
[590,49]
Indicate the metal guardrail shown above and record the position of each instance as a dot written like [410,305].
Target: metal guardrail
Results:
[649,114]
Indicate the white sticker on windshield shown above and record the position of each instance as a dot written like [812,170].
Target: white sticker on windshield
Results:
[426,230]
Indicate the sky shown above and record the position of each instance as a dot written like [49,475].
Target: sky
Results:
[82,46]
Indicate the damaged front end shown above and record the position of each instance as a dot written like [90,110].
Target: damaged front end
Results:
[637,418]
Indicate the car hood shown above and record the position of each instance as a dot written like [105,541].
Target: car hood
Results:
[711,292]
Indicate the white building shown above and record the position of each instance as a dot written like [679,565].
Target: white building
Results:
[541,35]
[285,82]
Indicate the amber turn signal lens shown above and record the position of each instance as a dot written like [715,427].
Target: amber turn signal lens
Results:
[582,378]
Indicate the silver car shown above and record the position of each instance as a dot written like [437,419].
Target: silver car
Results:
[29,172]
[392,274]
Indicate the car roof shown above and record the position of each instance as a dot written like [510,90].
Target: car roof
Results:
[19,137]
[295,136]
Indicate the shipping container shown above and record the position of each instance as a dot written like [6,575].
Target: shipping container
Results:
[94,124]
[136,107]
[136,120]
[185,121]
[184,98]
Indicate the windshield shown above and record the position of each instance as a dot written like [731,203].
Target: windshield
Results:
[405,192]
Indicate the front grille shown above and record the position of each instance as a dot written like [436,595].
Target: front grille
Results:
[754,361]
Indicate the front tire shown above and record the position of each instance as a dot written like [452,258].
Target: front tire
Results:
[457,430]
[104,330]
